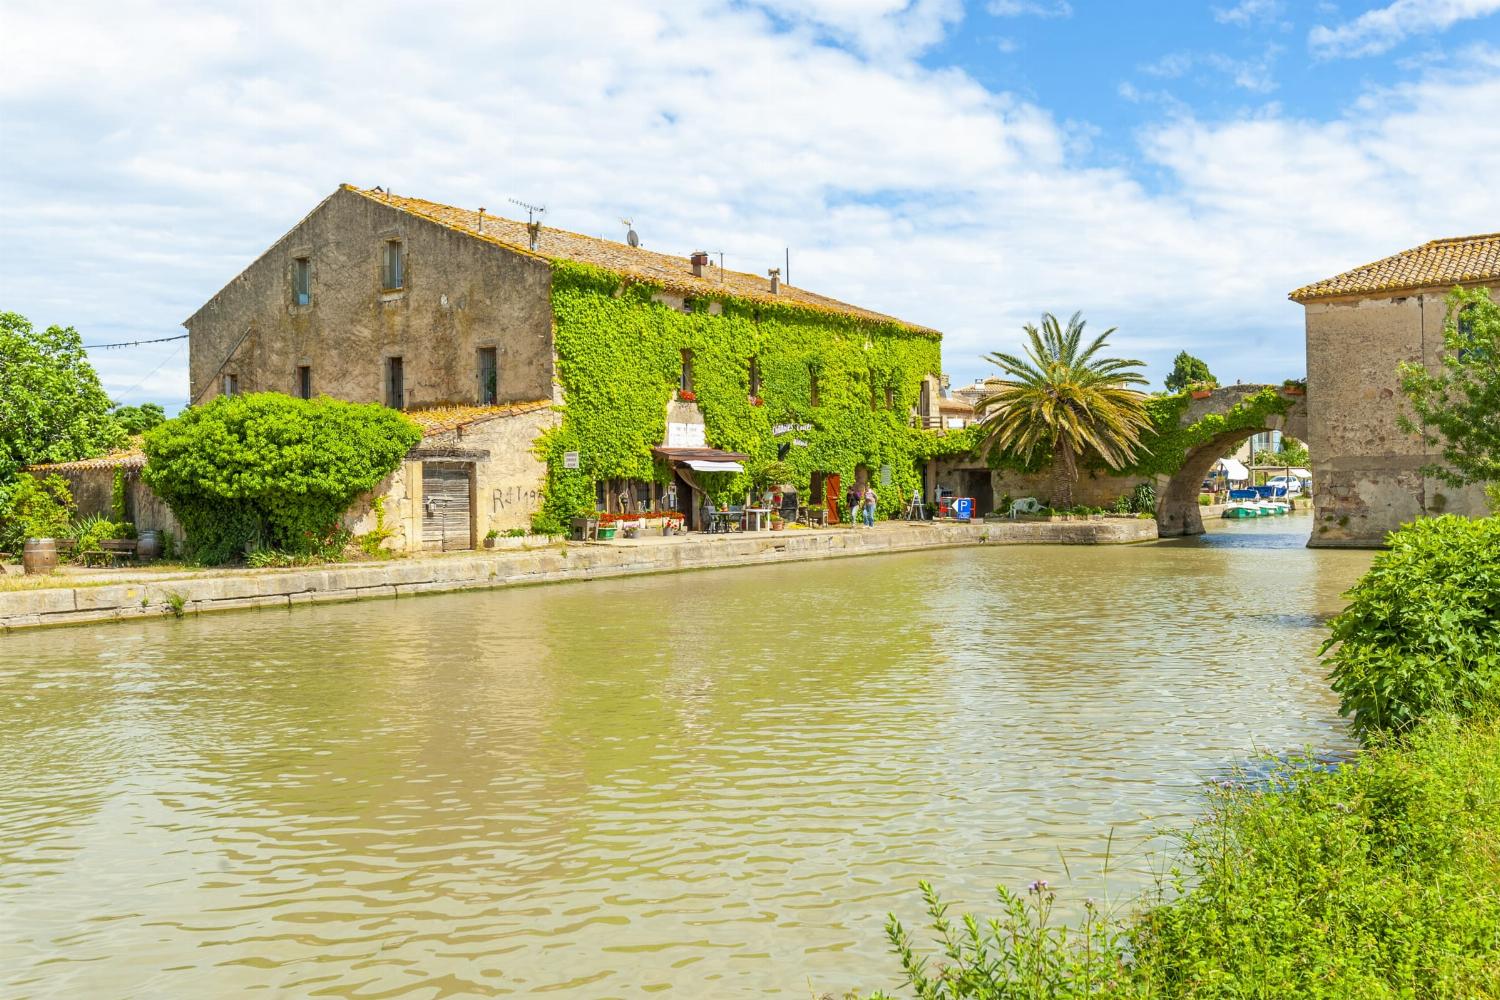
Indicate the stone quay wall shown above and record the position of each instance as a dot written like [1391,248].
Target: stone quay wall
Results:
[535,561]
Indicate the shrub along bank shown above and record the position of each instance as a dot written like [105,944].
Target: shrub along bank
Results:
[1379,878]
[267,470]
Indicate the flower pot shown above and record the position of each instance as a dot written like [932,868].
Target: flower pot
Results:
[1202,393]
[489,543]
[605,534]
[777,525]
[1295,390]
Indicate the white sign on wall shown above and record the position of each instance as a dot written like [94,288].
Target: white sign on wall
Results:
[686,436]
[570,460]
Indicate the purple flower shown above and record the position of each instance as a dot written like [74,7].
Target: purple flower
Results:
[1040,885]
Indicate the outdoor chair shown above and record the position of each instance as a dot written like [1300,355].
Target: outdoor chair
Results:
[1026,505]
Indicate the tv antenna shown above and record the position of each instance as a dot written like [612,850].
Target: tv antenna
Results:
[630,234]
[533,212]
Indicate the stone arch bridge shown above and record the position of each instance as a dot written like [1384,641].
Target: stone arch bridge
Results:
[1177,508]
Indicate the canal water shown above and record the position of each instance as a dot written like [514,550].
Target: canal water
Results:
[711,784]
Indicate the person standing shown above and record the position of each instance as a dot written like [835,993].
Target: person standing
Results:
[852,499]
[870,500]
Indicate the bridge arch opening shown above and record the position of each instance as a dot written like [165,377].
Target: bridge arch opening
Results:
[1177,509]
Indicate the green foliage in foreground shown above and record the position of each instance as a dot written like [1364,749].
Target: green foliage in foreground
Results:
[1376,879]
[267,470]
[1422,629]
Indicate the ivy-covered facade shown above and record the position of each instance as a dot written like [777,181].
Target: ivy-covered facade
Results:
[826,394]
[631,355]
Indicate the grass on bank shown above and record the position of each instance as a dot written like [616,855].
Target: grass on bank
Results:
[1376,879]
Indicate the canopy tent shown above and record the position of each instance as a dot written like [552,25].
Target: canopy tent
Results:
[1231,468]
[703,459]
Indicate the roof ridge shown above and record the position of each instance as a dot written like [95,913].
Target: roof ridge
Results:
[669,272]
[1461,239]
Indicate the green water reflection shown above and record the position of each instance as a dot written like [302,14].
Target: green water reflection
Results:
[712,784]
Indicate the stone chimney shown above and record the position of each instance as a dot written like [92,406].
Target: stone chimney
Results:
[534,234]
[775,274]
[699,260]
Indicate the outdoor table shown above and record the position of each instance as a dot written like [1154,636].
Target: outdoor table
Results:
[762,516]
[721,521]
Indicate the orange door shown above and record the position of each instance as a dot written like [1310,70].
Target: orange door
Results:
[832,496]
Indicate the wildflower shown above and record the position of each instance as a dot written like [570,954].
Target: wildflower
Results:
[1039,886]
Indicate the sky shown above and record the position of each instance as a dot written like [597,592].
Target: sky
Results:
[1169,169]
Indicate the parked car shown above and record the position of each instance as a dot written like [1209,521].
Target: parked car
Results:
[1291,484]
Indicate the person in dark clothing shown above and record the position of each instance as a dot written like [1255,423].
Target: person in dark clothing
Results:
[852,499]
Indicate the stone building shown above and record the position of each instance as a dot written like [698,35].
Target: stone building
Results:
[448,314]
[1367,472]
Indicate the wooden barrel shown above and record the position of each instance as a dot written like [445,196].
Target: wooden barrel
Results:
[148,545]
[40,555]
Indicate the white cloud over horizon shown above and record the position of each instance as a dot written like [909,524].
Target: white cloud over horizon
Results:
[1382,28]
[155,151]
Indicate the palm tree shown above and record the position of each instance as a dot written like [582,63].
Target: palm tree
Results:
[1065,399]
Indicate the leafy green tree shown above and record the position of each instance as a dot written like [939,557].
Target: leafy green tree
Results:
[135,420]
[268,469]
[1188,370]
[34,508]
[1063,398]
[1459,406]
[52,407]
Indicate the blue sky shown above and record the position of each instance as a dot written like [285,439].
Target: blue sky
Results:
[1172,169]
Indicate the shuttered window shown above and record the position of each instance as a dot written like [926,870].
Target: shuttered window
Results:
[395,383]
[393,268]
[489,373]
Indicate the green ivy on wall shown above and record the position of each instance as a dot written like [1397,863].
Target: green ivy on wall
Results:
[619,360]
[1166,448]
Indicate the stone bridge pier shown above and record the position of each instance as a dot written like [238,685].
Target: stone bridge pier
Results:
[1177,509]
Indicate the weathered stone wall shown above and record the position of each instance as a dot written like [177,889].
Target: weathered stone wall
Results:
[507,481]
[1367,477]
[93,486]
[461,294]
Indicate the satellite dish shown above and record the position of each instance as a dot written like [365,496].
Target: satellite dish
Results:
[632,238]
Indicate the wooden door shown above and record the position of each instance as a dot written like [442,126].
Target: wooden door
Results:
[446,506]
[833,496]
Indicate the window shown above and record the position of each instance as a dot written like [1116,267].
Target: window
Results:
[393,267]
[890,397]
[812,386]
[302,281]
[231,385]
[304,381]
[685,383]
[488,372]
[395,383]
[755,376]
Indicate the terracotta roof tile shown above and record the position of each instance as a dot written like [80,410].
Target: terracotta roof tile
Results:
[121,458]
[440,419]
[673,273]
[1435,264]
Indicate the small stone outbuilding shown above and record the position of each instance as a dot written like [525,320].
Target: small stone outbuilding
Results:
[1367,472]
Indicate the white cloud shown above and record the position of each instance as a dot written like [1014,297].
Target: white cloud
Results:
[1248,12]
[152,153]
[1254,75]
[1381,29]
[1030,8]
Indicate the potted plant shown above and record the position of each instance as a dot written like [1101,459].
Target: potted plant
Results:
[489,539]
[686,395]
[776,523]
[1202,390]
[1295,387]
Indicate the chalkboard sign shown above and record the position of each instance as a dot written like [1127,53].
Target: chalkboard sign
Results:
[570,460]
